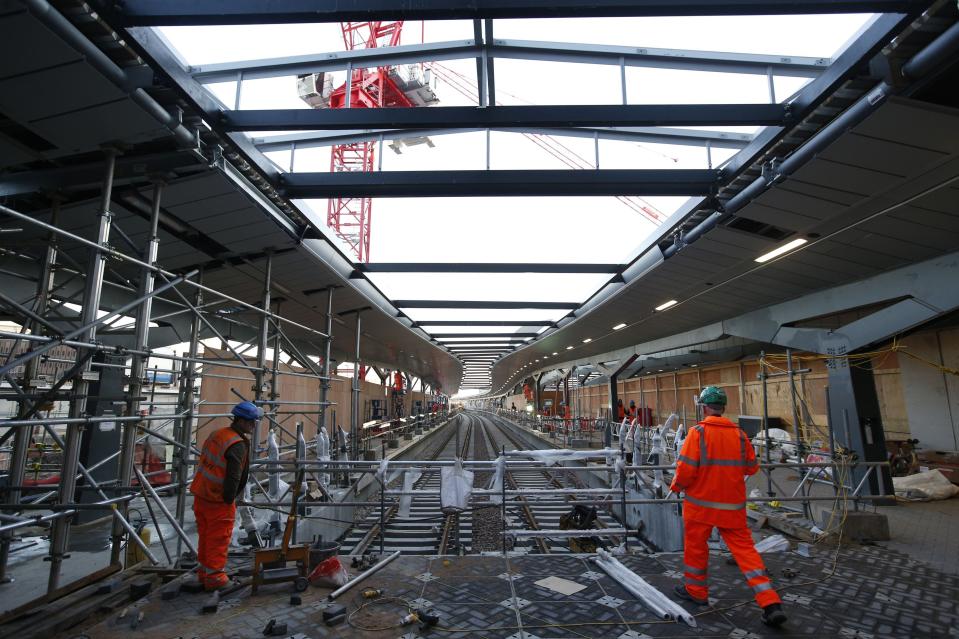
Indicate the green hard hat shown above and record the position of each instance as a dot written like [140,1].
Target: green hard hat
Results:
[712,395]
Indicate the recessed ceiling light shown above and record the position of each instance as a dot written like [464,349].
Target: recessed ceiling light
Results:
[569,348]
[694,365]
[785,248]
[587,340]
[665,305]
[555,353]
[619,326]
[660,370]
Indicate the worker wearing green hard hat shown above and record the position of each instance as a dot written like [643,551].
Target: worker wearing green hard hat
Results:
[716,455]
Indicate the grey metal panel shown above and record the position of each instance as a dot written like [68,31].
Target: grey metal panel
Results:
[795,202]
[873,153]
[854,179]
[871,260]
[12,153]
[196,188]
[836,195]
[777,217]
[62,89]
[893,251]
[917,232]
[209,206]
[28,46]
[914,124]
[932,221]
[115,121]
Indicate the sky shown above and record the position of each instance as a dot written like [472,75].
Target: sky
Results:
[533,229]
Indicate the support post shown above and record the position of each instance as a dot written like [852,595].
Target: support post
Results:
[60,532]
[262,344]
[23,435]
[355,391]
[137,369]
[184,433]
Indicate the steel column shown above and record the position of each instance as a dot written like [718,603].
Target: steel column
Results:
[137,368]
[59,534]
[262,344]
[23,436]
[186,408]
[327,347]
[355,394]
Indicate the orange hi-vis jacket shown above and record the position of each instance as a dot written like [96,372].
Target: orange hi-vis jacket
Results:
[211,467]
[710,468]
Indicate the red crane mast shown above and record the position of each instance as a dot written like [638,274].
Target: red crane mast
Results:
[351,217]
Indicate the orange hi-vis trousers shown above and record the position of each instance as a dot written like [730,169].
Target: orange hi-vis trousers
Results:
[740,543]
[214,525]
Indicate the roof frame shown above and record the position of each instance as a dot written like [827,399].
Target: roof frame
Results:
[219,12]
[581,53]
[500,183]
[651,135]
[506,117]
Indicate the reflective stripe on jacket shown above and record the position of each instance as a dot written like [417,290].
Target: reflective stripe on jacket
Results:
[211,467]
[710,468]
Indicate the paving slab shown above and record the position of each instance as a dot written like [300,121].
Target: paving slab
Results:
[864,592]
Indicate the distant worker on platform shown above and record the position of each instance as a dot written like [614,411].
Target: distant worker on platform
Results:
[632,409]
[711,467]
[620,410]
[221,474]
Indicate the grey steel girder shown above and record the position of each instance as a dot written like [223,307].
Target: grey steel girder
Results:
[656,58]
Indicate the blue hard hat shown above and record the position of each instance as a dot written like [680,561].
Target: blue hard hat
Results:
[247,410]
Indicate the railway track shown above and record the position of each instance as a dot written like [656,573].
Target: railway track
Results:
[428,531]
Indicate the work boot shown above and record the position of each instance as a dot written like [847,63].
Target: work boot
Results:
[773,615]
[682,593]
[216,582]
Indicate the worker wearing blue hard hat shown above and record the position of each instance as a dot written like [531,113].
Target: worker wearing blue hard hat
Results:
[221,474]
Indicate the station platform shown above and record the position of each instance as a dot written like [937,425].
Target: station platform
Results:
[867,592]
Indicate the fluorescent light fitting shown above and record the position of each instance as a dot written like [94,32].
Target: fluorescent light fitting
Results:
[569,348]
[619,326]
[587,340]
[555,353]
[785,248]
[665,305]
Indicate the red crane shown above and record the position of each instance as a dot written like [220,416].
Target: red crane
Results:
[350,217]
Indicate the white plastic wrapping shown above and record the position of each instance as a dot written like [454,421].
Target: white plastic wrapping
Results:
[323,455]
[552,457]
[630,440]
[456,487]
[776,543]
[409,478]
[927,486]
[496,484]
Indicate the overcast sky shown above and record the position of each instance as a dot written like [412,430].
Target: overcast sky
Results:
[572,229]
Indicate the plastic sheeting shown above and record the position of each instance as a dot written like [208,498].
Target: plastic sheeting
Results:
[410,477]
[928,486]
[323,455]
[456,487]
[496,483]
[553,457]
[776,543]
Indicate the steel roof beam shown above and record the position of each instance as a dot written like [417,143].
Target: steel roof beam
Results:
[484,267]
[482,304]
[506,117]
[652,135]
[217,12]
[515,336]
[500,183]
[480,323]
[643,57]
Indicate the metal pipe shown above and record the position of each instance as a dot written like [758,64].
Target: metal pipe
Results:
[132,260]
[166,511]
[96,58]
[372,570]
[183,428]
[87,332]
[940,50]
[263,337]
[355,395]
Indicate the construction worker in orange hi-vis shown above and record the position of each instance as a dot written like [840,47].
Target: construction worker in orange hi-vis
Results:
[221,474]
[398,382]
[711,467]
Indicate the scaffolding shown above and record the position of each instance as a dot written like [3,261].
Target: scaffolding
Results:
[83,361]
